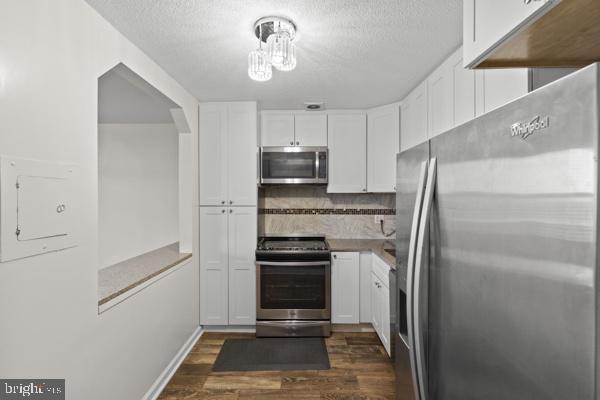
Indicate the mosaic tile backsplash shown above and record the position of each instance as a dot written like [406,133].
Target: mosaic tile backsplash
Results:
[310,209]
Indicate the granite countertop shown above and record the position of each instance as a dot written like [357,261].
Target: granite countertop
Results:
[126,275]
[377,246]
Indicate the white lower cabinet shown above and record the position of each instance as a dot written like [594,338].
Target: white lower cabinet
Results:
[345,288]
[375,303]
[380,303]
[227,270]
[365,287]
[214,274]
[242,269]
[385,332]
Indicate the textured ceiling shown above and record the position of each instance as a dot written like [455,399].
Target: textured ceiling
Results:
[351,53]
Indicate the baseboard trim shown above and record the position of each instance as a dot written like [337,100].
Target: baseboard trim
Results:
[363,327]
[230,328]
[164,378]
[352,328]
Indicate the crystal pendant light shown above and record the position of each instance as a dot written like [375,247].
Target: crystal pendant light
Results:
[290,63]
[259,67]
[278,48]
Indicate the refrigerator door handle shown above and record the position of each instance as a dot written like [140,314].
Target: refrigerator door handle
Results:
[420,258]
[410,275]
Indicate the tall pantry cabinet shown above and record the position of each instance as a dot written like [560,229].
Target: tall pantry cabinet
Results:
[228,199]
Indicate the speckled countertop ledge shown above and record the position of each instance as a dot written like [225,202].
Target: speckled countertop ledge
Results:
[117,279]
[376,246]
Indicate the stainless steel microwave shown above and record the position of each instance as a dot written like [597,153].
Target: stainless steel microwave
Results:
[293,165]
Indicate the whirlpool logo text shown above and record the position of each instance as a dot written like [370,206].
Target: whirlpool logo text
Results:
[526,129]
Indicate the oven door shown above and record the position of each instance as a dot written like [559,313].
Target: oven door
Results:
[290,165]
[293,290]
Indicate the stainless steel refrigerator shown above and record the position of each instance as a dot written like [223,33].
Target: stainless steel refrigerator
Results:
[497,248]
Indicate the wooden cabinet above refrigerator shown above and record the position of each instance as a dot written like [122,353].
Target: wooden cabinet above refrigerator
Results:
[531,33]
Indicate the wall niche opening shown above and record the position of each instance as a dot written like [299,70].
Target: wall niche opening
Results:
[138,184]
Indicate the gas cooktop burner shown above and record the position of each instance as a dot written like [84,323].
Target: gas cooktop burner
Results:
[296,245]
[270,247]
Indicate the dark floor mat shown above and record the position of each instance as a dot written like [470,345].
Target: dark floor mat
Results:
[272,354]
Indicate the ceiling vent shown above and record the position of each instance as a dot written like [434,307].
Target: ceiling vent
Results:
[314,106]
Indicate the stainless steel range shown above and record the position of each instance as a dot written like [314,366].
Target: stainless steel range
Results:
[293,286]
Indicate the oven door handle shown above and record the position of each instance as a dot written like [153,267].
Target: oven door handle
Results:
[294,264]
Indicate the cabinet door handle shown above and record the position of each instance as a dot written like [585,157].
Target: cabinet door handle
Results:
[222,201]
[292,143]
[335,256]
[230,211]
[230,201]
[297,143]
[223,211]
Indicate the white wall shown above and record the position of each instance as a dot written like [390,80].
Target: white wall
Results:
[138,189]
[53,54]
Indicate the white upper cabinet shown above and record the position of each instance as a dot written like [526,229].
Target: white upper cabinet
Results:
[347,137]
[293,128]
[501,86]
[242,156]
[228,154]
[489,23]
[414,110]
[277,129]
[310,129]
[213,153]
[383,136]
[242,233]
[345,288]
[453,95]
[440,86]
[464,90]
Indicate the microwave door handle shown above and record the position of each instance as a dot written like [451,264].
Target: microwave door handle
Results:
[410,273]
[421,257]
[316,165]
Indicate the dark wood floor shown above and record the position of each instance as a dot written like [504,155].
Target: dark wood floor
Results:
[360,370]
